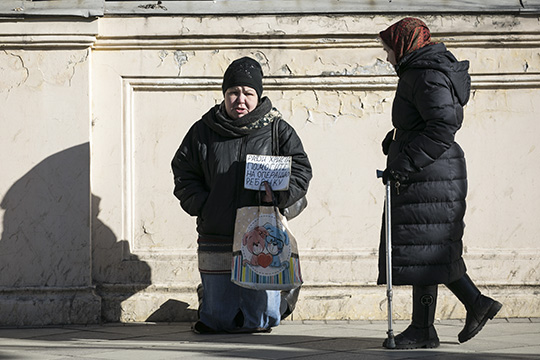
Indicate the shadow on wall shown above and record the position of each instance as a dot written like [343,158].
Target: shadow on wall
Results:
[45,237]
[116,273]
[45,243]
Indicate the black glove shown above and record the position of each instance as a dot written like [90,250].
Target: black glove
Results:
[385,176]
[387,141]
[393,175]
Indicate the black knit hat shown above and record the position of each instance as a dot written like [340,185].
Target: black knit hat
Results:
[244,72]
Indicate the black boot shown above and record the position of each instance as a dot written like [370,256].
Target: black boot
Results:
[421,333]
[479,308]
[288,302]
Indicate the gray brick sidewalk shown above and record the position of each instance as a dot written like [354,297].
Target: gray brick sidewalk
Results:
[500,339]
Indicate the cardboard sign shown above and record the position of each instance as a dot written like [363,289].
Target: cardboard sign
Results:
[276,170]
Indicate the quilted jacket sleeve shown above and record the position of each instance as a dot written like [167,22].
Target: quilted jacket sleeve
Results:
[189,184]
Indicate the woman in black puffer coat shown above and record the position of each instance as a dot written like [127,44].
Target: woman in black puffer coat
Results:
[428,173]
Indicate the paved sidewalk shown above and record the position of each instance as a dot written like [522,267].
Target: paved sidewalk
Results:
[500,339]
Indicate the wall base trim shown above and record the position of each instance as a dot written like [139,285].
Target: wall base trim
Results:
[49,306]
[163,303]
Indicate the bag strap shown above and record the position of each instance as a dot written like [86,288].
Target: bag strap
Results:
[299,206]
[275,136]
[275,147]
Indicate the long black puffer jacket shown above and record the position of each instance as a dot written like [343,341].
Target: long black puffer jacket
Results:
[428,200]
[209,169]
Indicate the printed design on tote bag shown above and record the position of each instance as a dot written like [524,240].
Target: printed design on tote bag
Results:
[266,248]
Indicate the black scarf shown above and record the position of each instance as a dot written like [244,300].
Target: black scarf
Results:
[218,120]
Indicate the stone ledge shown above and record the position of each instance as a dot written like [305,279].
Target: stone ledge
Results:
[93,8]
[325,303]
[78,8]
[49,306]
[308,6]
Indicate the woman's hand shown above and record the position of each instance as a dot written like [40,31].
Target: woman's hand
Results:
[267,198]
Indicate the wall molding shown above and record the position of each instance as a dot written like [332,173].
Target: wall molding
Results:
[301,41]
[41,41]
[319,82]
[387,82]
[191,254]
[340,266]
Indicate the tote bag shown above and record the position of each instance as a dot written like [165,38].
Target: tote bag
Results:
[265,254]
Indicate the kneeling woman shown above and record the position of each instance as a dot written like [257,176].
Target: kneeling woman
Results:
[209,172]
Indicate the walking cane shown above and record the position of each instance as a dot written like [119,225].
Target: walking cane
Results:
[391,344]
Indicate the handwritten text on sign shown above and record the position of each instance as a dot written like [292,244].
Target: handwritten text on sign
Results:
[276,170]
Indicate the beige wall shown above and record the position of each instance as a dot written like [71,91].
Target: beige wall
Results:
[94,110]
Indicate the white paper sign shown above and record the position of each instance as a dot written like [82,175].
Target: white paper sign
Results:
[276,170]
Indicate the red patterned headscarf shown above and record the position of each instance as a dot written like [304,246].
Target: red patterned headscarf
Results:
[405,36]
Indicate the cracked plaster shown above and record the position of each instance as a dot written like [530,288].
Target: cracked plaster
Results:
[13,72]
[341,130]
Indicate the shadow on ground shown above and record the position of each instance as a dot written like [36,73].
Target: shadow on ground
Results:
[175,340]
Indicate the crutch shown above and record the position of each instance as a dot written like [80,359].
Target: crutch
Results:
[391,344]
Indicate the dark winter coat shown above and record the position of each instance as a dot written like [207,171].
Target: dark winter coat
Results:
[428,200]
[209,170]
